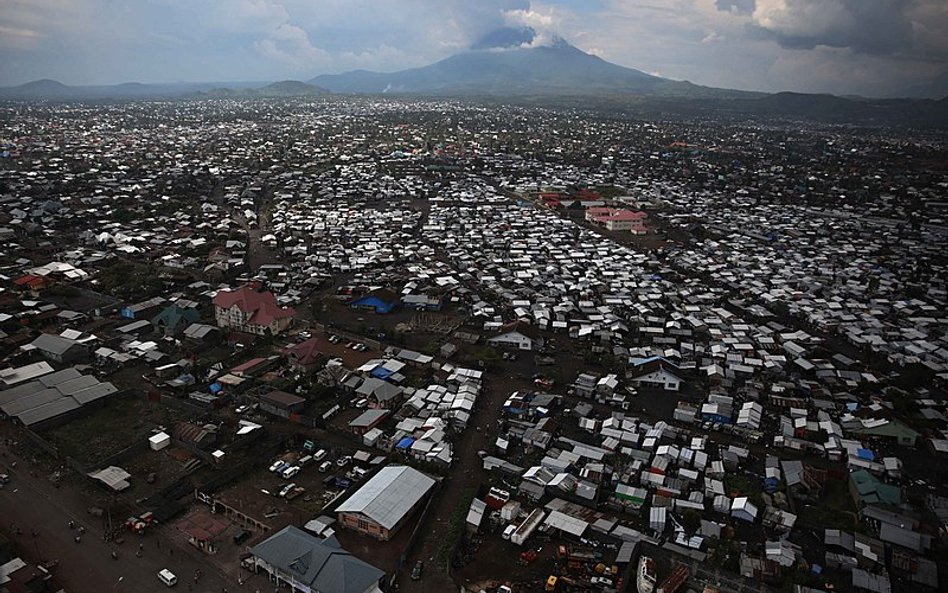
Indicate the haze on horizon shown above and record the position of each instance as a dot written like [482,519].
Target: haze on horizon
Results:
[865,47]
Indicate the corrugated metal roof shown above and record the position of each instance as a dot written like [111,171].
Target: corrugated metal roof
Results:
[30,401]
[48,411]
[97,391]
[389,495]
[58,377]
[566,523]
[322,564]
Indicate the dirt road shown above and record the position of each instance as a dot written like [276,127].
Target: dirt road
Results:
[31,502]
[467,473]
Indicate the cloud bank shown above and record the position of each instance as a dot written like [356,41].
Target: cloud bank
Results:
[874,47]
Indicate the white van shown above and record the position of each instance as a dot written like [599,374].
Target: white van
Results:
[167,577]
[508,531]
[319,455]
[302,462]
[325,466]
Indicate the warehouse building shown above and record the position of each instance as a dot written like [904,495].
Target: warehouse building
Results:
[381,506]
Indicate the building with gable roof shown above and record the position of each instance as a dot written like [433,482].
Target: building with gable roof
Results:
[252,310]
[517,334]
[384,503]
[312,565]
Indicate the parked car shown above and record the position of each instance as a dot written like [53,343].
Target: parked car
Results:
[343,461]
[416,571]
[290,471]
[276,465]
[167,577]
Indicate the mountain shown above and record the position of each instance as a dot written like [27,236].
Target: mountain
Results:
[44,87]
[289,88]
[284,88]
[508,62]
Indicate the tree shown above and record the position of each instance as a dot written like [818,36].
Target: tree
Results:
[691,520]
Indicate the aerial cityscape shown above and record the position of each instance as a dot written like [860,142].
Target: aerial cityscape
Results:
[508,317]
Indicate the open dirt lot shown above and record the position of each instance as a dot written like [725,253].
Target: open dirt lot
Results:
[111,428]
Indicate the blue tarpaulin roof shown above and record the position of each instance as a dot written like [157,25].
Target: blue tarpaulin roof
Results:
[405,443]
[865,454]
[216,387]
[374,302]
[380,372]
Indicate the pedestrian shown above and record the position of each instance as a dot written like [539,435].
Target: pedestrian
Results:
[158,543]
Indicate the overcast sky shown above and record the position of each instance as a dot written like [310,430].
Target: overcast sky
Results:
[869,47]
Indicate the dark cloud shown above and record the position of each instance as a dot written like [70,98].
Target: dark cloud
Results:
[737,6]
[874,27]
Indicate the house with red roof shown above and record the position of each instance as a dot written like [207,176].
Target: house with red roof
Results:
[253,310]
[306,356]
[33,283]
[618,220]
[597,212]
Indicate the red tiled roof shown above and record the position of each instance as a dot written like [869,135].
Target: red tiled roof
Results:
[261,305]
[588,194]
[606,214]
[308,352]
[30,280]
[250,364]
[627,215]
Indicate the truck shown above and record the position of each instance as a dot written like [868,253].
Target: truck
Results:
[528,526]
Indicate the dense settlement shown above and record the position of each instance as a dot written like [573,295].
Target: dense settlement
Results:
[347,345]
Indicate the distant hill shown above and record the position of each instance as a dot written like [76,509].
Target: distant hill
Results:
[285,88]
[55,90]
[808,104]
[505,63]
[289,88]
[43,87]
[512,65]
